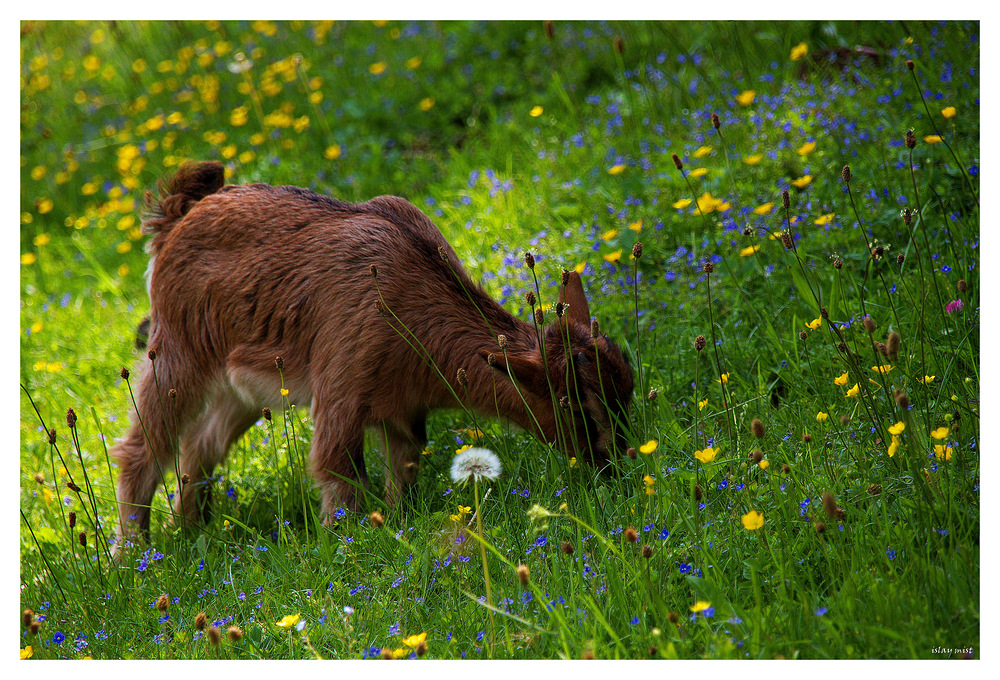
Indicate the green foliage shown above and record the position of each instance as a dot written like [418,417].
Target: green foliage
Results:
[512,140]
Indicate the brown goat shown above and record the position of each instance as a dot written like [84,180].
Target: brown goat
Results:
[372,315]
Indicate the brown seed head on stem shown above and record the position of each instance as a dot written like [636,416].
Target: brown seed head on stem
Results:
[892,345]
[786,202]
[539,316]
[631,535]
[962,285]
[374,270]
[838,263]
[530,299]
[700,342]
[630,452]
[845,174]
[523,575]
[279,362]
[234,633]
[550,31]
[909,64]
[803,335]
[71,518]
[71,418]
[677,162]
[757,428]
[28,617]
[52,436]
[637,250]
[266,412]
[35,627]
[786,240]
[151,354]
[902,401]
[716,123]
[463,379]
[647,551]
[163,602]
[567,548]
[214,635]
[595,329]
[619,45]
[708,267]
[124,373]
[910,139]
[200,620]
[869,324]
[502,341]
[83,539]
[378,521]
[529,260]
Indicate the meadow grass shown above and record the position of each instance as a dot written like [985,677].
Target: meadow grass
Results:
[805,480]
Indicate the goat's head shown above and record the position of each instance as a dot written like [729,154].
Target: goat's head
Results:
[582,390]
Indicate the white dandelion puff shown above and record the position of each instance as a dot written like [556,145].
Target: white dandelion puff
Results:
[475,464]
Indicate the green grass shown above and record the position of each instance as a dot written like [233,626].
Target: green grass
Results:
[514,141]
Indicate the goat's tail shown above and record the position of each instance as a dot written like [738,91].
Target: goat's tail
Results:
[178,194]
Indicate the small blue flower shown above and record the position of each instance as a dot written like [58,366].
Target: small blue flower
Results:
[685,568]
[664,534]
[821,611]
[634,620]
[58,638]
[890,553]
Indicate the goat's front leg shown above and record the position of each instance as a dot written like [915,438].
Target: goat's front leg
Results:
[402,446]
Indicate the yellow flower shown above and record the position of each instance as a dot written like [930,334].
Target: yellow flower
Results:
[413,62]
[649,482]
[425,452]
[332,152]
[763,209]
[377,68]
[927,379]
[616,256]
[707,203]
[799,51]
[53,367]
[636,226]
[27,652]
[426,103]
[825,219]
[853,392]
[288,621]
[948,112]
[802,181]
[464,448]
[649,446]
[609,234]
[942,452]
[806,148]
[36,327]
[702,404]
[764,464]
[897,428]
[415,640]
[746,97]
[463,510]
[284,392]
[702,152]
[841,379]
[754,159]
[940,433]
[580,267]
[28,259]
[536,111]
[753,520]
[724,378]
[933,139]
[616,169]
[473,434]
[572,461]
[698,172]
[882,369]
[700,605]
[749,250]
[123,247]
[821,417]
[706,455]
[813,325]
[683,203]
[47,495]
[893,446]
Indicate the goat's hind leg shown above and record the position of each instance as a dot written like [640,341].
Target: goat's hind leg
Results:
[204,446]
[147,452]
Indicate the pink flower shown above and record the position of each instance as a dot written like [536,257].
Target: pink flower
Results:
[953,306]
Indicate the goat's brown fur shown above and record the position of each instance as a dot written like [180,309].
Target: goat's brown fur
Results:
[243,274]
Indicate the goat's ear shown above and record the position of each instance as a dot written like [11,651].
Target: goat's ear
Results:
[572,293]
[528,372]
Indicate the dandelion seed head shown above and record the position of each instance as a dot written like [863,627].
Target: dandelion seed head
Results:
[476,464]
